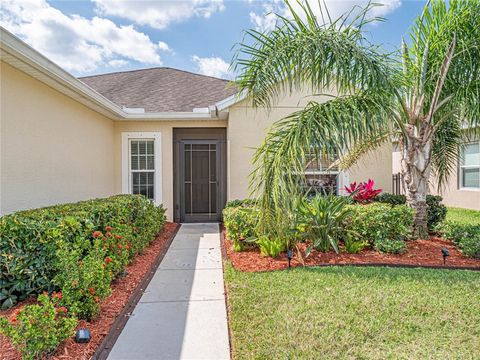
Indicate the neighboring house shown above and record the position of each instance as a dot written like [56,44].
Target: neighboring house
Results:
[182,139]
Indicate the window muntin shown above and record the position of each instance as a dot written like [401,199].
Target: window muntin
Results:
[321,175]
[142,167]
[470,166]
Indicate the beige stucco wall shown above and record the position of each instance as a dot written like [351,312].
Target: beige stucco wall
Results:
[166,130]
[454,196]
[376,165]
[247,128]
[53,149]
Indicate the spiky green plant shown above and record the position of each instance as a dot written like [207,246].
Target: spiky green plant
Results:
[421,96]
[322,220]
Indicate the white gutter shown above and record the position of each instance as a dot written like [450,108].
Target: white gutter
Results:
[16,52]
[178,115]
[231,100]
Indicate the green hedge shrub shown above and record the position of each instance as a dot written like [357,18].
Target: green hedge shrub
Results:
[35,243]
[243,202]
[391,199]
[378,222]
[37,330]
[436,211]
[84,281]
[240,223]
[390,246]
[465,236]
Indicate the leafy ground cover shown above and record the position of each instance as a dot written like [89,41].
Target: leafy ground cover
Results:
[464,216]
[354,313]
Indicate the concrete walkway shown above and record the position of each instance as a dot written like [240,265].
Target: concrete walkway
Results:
[182,313]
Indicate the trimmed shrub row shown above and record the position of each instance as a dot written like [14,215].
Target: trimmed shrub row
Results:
[465,236]
[71,253]
[74,247]
[382,226]
[436,211]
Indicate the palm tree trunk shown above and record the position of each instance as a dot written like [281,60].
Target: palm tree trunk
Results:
[416,173]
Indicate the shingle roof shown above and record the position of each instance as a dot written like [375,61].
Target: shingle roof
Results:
[160,89]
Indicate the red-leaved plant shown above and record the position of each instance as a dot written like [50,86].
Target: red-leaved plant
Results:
[363,192]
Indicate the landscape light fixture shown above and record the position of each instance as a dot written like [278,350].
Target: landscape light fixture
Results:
[82,336]
[445,254]
[289,257]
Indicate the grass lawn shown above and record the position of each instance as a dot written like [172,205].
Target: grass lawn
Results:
[354,313]
[464,216]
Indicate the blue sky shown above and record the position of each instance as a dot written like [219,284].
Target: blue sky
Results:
[97,36]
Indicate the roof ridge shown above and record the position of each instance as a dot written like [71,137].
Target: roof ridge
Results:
[153,68]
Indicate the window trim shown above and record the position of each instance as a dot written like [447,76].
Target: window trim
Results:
[157,137]
[342,178]
[461,167]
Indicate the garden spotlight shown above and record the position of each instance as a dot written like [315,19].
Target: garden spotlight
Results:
[445,254]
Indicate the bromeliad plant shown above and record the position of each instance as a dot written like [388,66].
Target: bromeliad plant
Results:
[323,218]
[421,96]
[363,192]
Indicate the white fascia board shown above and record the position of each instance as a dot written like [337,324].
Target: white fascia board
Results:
[13,49]
[169,116]
[231,100]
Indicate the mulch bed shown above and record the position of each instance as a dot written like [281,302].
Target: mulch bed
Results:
[111,307]
[419,253]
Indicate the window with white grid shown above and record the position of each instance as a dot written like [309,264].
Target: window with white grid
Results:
[321,175]
[142,167]
[470,166]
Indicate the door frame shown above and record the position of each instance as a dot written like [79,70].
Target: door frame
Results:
[182,136]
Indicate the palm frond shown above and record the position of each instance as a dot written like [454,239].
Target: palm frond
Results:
[326,128]
[445,150]
[302,53]
[440,26]
[362,148]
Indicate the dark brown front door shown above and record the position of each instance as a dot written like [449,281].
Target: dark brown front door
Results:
[199,179]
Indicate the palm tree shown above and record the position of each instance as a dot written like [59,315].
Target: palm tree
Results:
[422,96]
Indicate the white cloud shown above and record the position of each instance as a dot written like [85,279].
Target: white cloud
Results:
[158,14]
[76,43]
[117,63]
[164,46]
[265,20]
[212,66]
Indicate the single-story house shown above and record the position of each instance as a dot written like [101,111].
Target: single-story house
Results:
[182,139]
